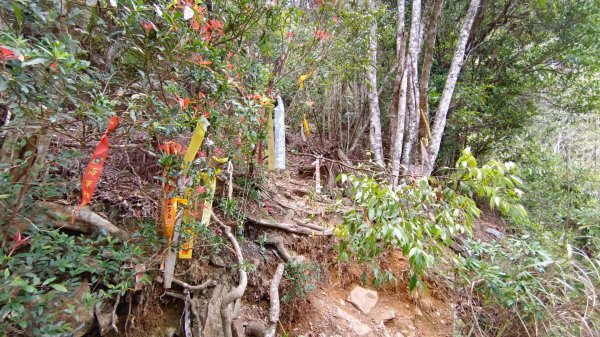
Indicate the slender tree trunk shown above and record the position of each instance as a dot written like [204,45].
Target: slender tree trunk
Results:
[400,56]
[397,145]
[428,57]
[439,123]
[412,73]
[374,114]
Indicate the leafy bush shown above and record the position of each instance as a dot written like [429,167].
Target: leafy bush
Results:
[301,278]
[421,216]
[54,265]
[549,290]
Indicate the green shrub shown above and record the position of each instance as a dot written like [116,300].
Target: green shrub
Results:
[422,215]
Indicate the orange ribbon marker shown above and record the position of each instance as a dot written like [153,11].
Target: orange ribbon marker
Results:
[170,211]
[94,168]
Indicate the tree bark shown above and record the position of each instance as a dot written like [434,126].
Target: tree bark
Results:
[400,56]
[374,113]
[274,298]
[428,57]
[413,79]
[439,123]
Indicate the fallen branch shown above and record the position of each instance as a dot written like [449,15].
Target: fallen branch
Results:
[292,228]
[274,298]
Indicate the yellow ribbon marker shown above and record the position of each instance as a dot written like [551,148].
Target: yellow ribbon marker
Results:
[271,138]
[171,214]
[196,141]
[188,242]
[306,127]
[303,78]
[190,155]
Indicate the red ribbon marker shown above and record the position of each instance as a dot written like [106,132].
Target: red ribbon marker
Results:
[94,168]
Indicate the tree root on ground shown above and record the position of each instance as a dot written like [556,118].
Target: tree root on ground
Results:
[113,321]
[291,228]
[274,299]
[86,221]
[234,295]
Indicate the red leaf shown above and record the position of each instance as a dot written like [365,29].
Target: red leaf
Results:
[6,54]
[183,102]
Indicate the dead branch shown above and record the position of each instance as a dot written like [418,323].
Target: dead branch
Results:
[86,221]
[292,228]
[274,298]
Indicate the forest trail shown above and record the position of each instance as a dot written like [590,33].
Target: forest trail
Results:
[317,304]
[327,310]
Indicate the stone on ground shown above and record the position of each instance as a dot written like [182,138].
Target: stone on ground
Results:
[358,327]
[363,299]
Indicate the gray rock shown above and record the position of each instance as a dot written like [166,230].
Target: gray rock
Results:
[359,328]
[385,316]
[497,234]
[363,299]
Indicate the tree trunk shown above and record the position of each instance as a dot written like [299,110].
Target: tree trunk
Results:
[413,79]
[428,60]
[457,61]
[400,56]
[399,140]
[374,114]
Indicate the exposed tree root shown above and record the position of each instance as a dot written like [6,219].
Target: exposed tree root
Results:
[113,321]
[291,228]
[204,285]
[235,294]
[274,298]
[277,242]
[86,221]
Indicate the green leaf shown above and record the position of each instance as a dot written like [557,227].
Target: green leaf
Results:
[34,61]
[413,281]
[48,281]
[59,287]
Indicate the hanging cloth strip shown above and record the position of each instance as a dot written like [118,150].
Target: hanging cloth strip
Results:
[170,210]
[95,166]
[195,143]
